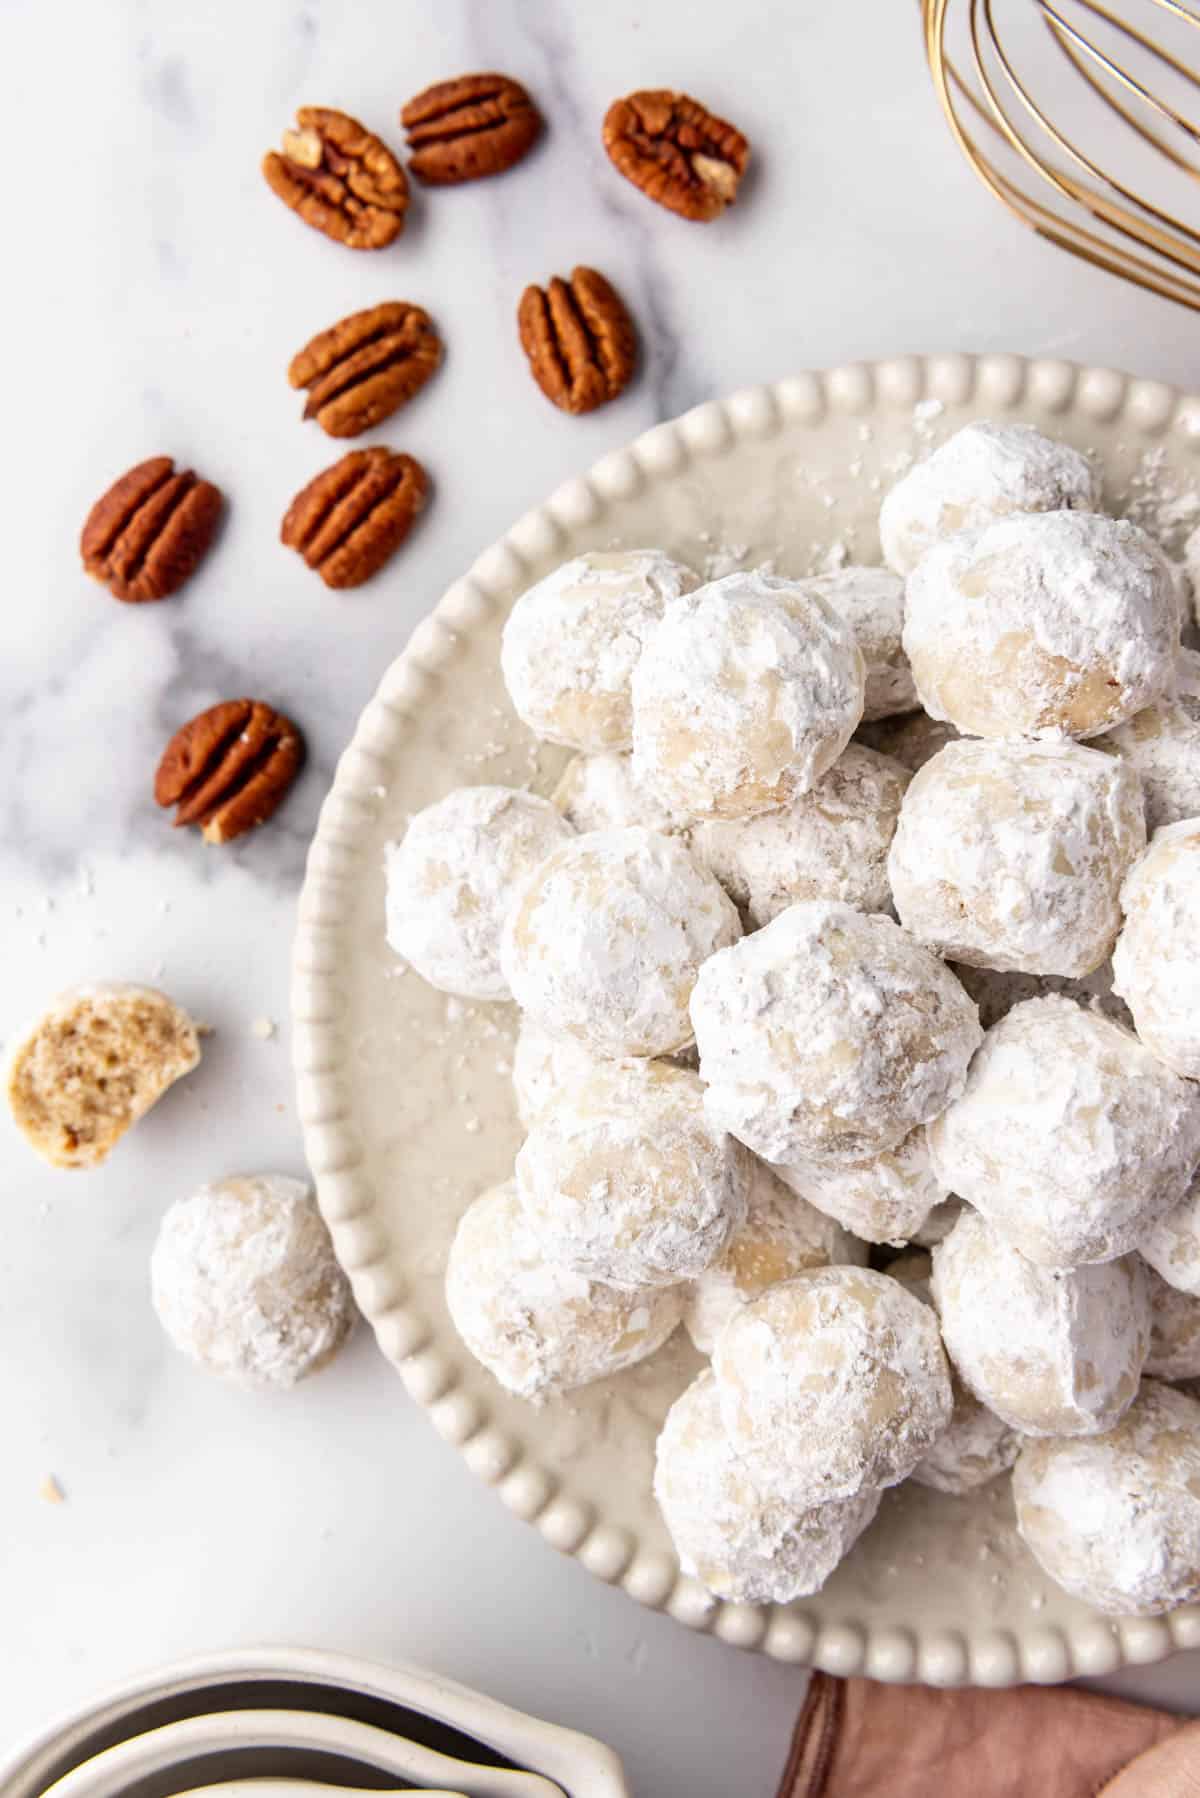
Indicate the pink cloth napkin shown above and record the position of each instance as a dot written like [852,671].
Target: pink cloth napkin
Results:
[856,1739]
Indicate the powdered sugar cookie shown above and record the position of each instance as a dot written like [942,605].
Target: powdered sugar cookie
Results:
[451,879]
[1070,1137]
[832,1383]
[1171,1244]
[829,1035]
[831,843]
[1156,963]
[537,1327]
[745,694]
[1162,746]
[1053,1354]
[1115,1519]
[94,1063]
[886,1198]
[871,600]
[625,1180]
[1044,624]
[571,641]
[742,1545]
[605,940]
[1011,855]
[245,1283]
[1174,1331]
[981,473]
[600,792]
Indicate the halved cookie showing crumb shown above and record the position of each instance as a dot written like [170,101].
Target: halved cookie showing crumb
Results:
[94,1063]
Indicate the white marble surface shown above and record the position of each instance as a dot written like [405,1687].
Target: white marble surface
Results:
[154,292]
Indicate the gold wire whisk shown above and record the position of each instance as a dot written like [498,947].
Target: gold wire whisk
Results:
[1072,200]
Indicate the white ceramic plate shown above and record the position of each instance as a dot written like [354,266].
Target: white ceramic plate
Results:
[405,1096]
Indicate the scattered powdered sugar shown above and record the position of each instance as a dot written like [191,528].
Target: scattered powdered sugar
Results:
[781,1237]
[601,792]
[871,600]
[830,843]
[982,473]
[1155,966]
[539,1328]
[831,1383]
[1115,1519]
[624,1179]
[1011,855]
[1162,746]
[571,641]
[452,878]
[886,1198]
[1046,624]
[244,1281]
[1053,1354]
[741,1545]
[829,1035]
[744,695]
[606,938]
[1070,1136]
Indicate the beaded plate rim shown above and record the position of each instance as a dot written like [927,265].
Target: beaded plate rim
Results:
[998,382]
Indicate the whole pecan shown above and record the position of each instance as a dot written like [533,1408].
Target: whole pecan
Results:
[340,178]
[147,534]
[579,338]
[349,520]
[365,367]
[461,130]
[229,768]
[676,151]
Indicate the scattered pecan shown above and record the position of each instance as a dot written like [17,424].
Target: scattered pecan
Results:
[676,151]
[477,125]
[579,338]
[349,520]
[340,178]
[230,768]
[147,534]
[362,369]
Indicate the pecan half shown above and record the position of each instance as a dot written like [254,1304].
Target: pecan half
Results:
[676,151]
[461,130]
[340,178]
[148,533]
[229,768]
[349,520]
[579,338]
[362,369]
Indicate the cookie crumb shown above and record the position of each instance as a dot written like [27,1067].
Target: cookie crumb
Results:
[264,1028]
[50,1492]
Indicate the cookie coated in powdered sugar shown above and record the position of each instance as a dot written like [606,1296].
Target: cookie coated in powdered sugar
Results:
[743,1546]
[1070,1136]
[543,1066]
[600,792]
[625,1180]
[603,943]
[538,1328]
[1171,1244]
[571,641]
[451,879]
[1011,855]
[1156,967]
[245,1282]
[1162,746]
[871,600]
[781,1237]
[745,694]
[829,1035]
[832,1382]
[1174,1331]
[982,473]
[1115,1519]
[886,1198]
[1045,624]
[831,843]
[1052,1354]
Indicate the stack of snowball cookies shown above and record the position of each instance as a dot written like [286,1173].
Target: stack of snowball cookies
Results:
[813,830]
